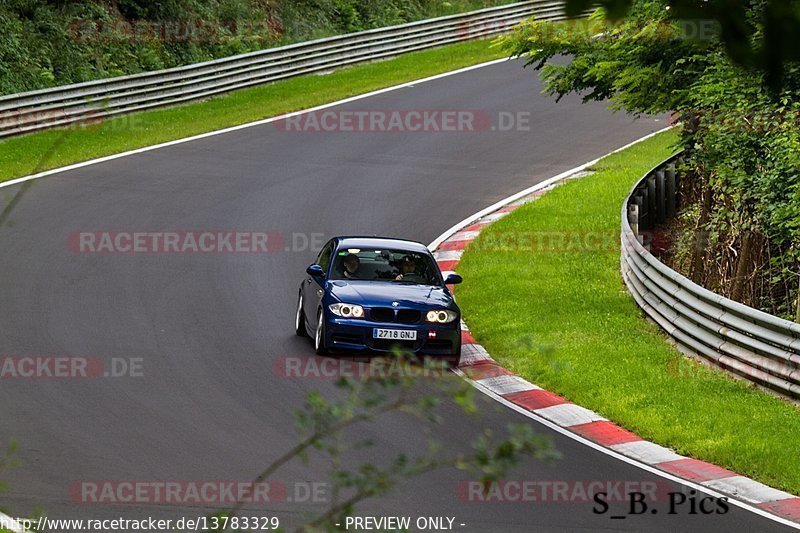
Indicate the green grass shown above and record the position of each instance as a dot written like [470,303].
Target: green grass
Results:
[562,318]
[24,155]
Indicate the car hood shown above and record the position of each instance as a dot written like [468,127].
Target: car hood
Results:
[383,294]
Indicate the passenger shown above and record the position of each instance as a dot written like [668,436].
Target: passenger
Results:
[351,265]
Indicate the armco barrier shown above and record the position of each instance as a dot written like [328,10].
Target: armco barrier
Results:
[59,106]
[744,341]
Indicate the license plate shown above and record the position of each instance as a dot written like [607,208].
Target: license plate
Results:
[395,334]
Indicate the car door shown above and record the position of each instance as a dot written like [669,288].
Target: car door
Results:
[314,288]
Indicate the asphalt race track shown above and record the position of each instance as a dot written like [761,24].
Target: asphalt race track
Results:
[207,328]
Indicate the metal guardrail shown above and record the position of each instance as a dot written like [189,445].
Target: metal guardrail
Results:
[744,341]
[84,102]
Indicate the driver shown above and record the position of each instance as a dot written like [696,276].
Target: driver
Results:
[351,264]
[408,270]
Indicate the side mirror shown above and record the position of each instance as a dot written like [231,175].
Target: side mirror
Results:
[453,279]
[315,271]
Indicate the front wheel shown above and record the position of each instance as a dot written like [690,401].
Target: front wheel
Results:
[300,319]
[319,338]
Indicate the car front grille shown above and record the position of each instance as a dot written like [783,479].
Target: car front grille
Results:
[381,314]
[400,316]
[408,316]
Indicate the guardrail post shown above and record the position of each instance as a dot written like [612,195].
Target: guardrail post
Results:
[671,192]
[661,199]
[652,204]
[640,202]
[633,218]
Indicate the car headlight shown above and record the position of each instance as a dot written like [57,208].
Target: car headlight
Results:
[347,310]
[442,316]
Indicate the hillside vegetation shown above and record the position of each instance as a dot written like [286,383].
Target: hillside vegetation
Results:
[44,43]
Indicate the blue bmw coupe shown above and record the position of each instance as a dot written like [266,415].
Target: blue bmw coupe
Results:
[370,294]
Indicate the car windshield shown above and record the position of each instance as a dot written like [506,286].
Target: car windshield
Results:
[399,266]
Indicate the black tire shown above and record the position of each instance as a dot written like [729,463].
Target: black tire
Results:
[300,318]
[319,336]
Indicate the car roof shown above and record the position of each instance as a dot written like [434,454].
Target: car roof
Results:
[381,242]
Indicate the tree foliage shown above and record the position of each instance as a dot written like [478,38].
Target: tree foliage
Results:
[741,134]
[766,46]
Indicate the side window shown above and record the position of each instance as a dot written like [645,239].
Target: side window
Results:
[324,258]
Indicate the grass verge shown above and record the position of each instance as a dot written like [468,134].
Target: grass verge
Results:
[560,316]
[20,156]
